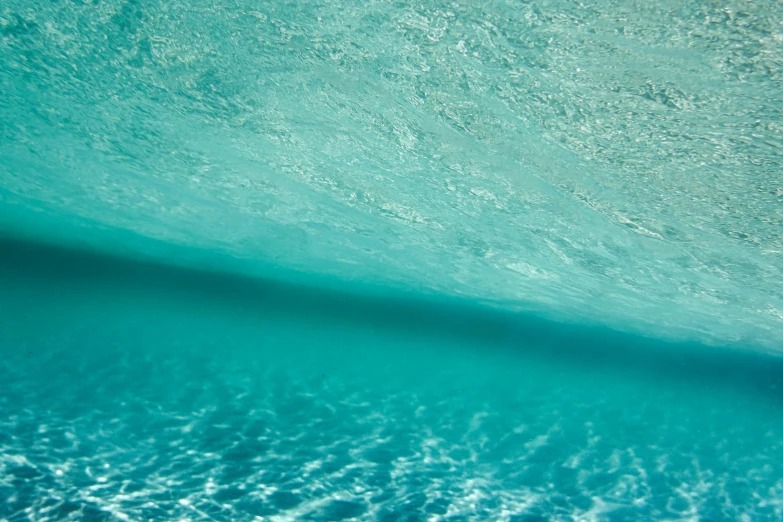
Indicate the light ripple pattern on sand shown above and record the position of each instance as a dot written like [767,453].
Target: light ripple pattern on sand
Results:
[175,409]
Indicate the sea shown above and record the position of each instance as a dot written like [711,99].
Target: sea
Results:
[451,260]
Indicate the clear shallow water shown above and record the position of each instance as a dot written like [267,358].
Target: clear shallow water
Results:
[281,261]
[137,391]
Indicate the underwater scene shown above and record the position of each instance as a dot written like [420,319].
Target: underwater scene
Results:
[452,260]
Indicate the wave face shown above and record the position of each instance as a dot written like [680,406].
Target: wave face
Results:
[618,162]
[379,260]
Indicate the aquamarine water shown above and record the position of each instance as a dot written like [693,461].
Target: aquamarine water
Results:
[391,261]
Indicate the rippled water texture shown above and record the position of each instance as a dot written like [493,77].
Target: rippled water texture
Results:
[618,161]
[374,260]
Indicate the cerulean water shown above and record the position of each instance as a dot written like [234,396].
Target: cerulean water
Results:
[390,260]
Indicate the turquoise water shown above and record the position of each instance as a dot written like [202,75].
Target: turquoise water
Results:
[388,261]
